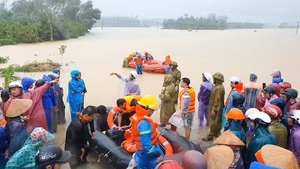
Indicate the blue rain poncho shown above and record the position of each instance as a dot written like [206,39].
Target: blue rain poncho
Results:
[75,97]
[26,83]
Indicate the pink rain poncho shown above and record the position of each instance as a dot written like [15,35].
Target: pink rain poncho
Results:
[36,112]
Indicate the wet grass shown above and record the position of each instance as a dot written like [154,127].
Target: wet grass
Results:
[35,66]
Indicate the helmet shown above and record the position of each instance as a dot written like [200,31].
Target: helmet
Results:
[133,73]
[40,82]
[168,56]
[286,85]
[235,80]
[250,111]
[296,116]
[269,90]
[273,111]
[207,76]
[146,53]
[149,102]
[174,64]
[260,117]
[236,114]
[193,159]
[15,84]
[168,164]
[291,92]
[238,98]
[52,154]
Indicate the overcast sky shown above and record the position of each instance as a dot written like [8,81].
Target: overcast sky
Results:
[267,11]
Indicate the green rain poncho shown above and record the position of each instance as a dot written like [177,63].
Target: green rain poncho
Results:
[216,105]
[176,77]
[167,100]
[262,137]
[25,157]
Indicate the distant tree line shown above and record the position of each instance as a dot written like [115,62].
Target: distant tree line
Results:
[286,25]
[211,22]
[30,21]
[122,21]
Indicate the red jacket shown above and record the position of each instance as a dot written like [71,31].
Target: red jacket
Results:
[36,112]
[260,102]
[293,105]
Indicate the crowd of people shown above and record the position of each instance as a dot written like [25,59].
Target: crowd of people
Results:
[254,120]
[256,115]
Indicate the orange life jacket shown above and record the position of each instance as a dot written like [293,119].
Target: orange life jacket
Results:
[142,114]
[192,92]
[239,88]
[2,120]
[128,100]
[168,61]
[111,116]
[130,57]
[139,61]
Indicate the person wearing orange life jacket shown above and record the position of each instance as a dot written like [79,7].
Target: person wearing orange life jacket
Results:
[124,110]
[145,134]
[167,63]
[126,107]
[237,86]
[187,106]
[139,63]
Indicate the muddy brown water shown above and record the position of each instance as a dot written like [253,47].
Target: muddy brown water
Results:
[96,55]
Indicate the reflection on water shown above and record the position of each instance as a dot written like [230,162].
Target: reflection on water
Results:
[232,52]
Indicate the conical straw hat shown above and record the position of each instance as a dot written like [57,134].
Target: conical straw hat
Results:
[275,156]
[228,138]
[219,157]
[18,107]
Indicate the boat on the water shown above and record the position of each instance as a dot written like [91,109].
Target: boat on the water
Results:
[109,147]
[150,66]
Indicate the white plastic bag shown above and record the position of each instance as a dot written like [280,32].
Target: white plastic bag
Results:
[176,119]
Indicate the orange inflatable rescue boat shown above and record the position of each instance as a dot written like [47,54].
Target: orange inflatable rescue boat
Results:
[150,66]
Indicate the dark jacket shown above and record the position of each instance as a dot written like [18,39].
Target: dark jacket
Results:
[76,137]
[262,137]
[3,147]
[17,133]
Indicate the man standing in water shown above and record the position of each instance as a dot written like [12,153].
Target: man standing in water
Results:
[77,136]
[167,108]
[216,107]
[176,76]
[187,106]
[204,98]
[132,86]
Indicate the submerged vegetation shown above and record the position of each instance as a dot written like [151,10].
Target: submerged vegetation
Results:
[35,66]
[30,21]
[211,22]
[9,75]
[4,59]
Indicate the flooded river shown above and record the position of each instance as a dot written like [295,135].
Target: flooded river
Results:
[232,52]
